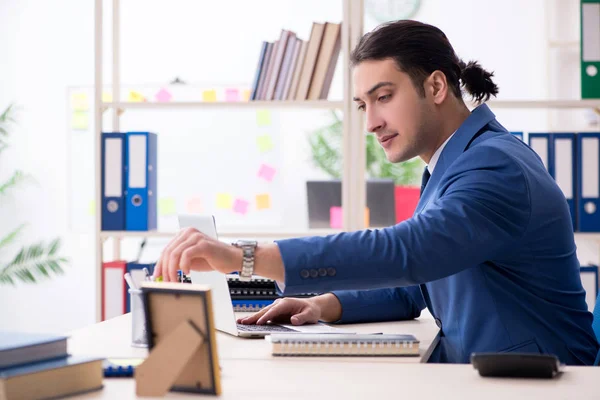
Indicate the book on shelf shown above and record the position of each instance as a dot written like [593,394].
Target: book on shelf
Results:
[291,68]
[304,344]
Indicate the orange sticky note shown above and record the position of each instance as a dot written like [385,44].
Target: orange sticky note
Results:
[367,217]
[246,95]
[194,205]
[209,96]
[263,201]
[224,201]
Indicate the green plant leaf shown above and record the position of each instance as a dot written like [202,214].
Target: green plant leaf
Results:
[33,263]
[17,178]
[6,240]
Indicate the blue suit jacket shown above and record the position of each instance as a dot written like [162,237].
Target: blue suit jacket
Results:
[490,251]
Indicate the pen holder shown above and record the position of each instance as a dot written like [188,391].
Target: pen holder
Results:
[138,319]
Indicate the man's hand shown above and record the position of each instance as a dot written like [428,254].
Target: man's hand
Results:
[325,307]
[191,249]
[286,310]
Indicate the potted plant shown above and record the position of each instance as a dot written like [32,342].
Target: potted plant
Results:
[326,153]
[34,261]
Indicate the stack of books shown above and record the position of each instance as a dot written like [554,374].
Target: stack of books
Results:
[35,366]
[294,69]
[255,294]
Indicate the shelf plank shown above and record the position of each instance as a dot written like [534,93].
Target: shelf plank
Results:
[253,234]
[544,104]
[308,104]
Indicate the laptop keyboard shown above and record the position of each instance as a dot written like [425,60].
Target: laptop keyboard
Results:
[264,328]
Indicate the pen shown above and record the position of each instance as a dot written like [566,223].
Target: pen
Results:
[129,280]
[146,274]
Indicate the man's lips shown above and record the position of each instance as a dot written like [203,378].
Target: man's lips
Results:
[385,138]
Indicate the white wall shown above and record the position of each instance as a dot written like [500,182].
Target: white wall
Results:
[48,47]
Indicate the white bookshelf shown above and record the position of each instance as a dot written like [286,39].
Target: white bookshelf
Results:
[353,190]
[308,104]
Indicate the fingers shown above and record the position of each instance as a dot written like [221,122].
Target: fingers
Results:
[193,257]
[304,317]
[272,313]
[174,259]
[254,317]
[162,265]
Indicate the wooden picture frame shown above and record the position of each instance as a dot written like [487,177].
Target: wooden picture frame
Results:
[181,341]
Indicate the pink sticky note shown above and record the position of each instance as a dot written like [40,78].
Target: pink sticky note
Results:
[232,95]
[163,96]
[194,205]
[266,172]
[336,218]
[240,206]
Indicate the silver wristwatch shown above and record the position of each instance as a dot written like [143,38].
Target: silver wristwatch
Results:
[248,247]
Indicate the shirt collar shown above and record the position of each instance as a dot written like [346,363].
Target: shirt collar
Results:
[436,155]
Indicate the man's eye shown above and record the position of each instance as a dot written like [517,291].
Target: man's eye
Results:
[384,98]
[361,107]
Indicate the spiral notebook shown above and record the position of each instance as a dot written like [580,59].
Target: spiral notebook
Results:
[290,344]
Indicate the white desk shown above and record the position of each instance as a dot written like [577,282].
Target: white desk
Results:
[248,371]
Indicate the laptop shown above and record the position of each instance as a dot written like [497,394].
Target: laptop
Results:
[224,316]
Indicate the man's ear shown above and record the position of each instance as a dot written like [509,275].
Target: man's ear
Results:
[436,85]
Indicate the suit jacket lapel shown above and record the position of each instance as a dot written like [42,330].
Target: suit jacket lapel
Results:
[479,118]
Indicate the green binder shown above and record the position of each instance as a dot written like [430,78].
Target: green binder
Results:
[590,49]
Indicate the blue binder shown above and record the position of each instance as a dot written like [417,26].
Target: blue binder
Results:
[541,143]
[563,157]
[141,180]
[588,181]
[518,135]
[113,181]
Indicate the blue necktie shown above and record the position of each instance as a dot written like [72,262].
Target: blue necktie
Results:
[424,180]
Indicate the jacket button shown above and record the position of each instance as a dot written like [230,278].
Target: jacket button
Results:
[331,271]
[304,273]
[438,322]
[314,273]
[322,272]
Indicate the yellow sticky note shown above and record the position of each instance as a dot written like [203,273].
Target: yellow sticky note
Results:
[209,96]
[135,97]
[246,95]
[263,201]
[264,143]
[263,117]
[224,201]
[166,206]
[80,120]
[92,208]
[107,97]
[80,102]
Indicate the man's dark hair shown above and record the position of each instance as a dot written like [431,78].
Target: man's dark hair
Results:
[419,49]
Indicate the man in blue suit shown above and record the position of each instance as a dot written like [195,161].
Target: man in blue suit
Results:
[490,249]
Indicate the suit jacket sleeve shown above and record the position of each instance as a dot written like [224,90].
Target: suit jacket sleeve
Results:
[393,304]
[482,211]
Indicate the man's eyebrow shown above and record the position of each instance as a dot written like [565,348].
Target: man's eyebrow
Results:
[374,88]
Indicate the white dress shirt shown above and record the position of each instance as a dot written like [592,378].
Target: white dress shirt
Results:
[436,156]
